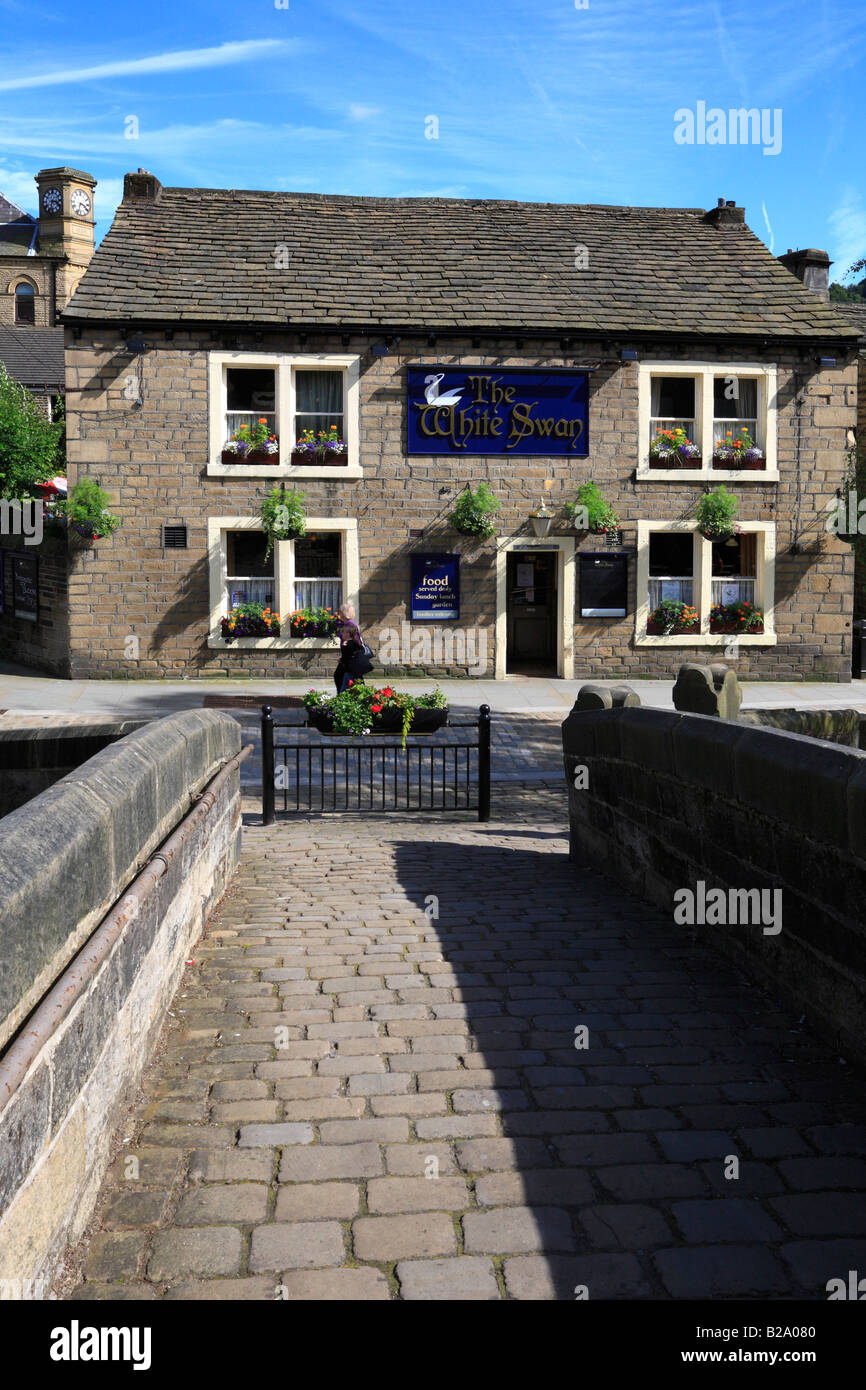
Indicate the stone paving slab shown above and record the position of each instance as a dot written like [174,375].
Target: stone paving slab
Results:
[388,1102]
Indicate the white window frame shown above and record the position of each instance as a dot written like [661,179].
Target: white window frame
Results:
[218,526]
[704,374]
[702,571]
[284,365]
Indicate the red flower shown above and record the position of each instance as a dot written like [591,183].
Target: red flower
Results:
[376,708]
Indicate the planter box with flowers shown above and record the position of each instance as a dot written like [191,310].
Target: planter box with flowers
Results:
[673,449]
[739,453]
[313,622]
[249,620]
[325,448]
[739,617]
[252,444]
[361,710]
[673,618]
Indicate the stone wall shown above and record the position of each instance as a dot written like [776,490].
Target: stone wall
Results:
[667,801]
[153,458]
[66,857]
[43,645]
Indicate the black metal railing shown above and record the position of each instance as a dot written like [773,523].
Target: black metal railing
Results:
[371,775]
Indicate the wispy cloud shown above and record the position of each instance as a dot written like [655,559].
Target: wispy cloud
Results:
[359,112]
[848,222]
[184,61]
[770,238]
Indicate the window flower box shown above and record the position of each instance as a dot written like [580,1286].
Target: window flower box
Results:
[252,444]
[324,449]
[250,457]
[313,622]
[301,458]
[672,619]
[673,449]
[249,620]
[741,452]
[741,617]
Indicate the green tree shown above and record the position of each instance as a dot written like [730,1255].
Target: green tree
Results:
[28,439]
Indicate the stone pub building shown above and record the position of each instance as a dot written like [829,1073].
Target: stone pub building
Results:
[531,347]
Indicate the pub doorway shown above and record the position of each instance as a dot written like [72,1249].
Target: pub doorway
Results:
[531,612]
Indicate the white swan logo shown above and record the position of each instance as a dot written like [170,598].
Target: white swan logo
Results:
[431,392]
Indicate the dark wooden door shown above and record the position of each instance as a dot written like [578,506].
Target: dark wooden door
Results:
[531,612]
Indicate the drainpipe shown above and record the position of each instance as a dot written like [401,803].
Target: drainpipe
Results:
[75,979]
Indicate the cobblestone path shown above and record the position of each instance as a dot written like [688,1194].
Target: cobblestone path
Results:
[355,1099]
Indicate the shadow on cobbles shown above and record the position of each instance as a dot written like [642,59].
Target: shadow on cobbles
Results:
[637,1119]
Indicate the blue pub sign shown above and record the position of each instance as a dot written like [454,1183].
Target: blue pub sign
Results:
[435,588]
[524,411]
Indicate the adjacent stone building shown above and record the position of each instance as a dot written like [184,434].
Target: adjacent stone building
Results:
[435,334]
[42,259]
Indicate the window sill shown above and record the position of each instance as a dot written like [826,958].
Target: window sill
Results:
[709,639]
[282,471]
[275,644]
[703,475]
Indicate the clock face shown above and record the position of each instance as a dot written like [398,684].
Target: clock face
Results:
[52,201]
[80,203]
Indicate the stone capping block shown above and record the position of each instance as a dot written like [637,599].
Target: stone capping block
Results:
[703,748]
[67,855]
[646,737]
[797,780]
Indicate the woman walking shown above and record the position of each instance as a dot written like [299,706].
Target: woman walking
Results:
[351,644]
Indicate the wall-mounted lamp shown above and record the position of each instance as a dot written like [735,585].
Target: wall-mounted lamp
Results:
[541,520]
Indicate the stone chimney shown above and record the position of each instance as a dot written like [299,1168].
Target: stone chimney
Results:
[810,266]
[726,214]
[142,185]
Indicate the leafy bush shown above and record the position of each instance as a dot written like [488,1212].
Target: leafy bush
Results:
[86,509]
[28,440]
[283,515]
[474,511]
[591,512]
[716,514]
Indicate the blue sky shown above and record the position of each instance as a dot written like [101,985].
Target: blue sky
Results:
[534,99]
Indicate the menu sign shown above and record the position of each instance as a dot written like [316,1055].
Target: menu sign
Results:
[25,587]
[435,587]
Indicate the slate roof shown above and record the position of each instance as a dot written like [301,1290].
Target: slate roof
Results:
[34,356]
[209,255]
[856,315]
[16,230]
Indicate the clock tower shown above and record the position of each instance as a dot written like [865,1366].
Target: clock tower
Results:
[66,218]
